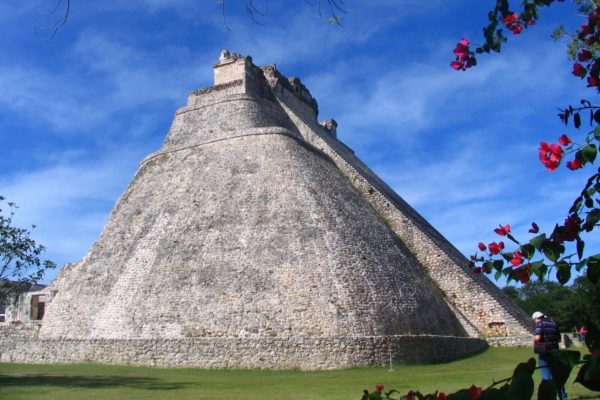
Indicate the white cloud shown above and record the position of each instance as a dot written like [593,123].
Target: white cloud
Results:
[69,201]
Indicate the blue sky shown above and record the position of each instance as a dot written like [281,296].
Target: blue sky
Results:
[79,112]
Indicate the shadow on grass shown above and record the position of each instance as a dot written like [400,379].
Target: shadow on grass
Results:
[89,382]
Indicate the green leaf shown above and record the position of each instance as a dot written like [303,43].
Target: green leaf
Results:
[528,250]
[593,217]
[589,374]
[562,362]
[589,202]
[589,152]
[498,275]
[563,275]
[597,130]
[525,367]
[547,390]
[521,387]
[494,394]
[567,357]
[576,206]
[462,394]
[593,268]
[580,247]
[577,120]
[592,338]
[498,264]
[538,241]
[539,269]
[551,251]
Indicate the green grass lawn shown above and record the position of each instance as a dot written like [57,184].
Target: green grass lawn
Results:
[92,381]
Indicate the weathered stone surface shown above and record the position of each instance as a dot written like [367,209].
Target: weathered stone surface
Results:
[255,238]
[277,353]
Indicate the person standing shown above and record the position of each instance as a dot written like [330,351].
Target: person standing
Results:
[547,338]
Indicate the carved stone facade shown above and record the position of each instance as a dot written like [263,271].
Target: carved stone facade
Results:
[255,238]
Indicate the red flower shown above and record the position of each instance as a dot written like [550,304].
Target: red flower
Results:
[481,246]
[378,388]
[442,396]
[572,223]
[477,270]
[579,70]
[564,140]
[517,259]
[510,19]
[550,155]
[575,164]
[456,65]
[463,56]
[503,230]
[593,81]
[495,248]
[534,228]
[584,55]
[474,392]
[513,23]
[523,274]
[410,395]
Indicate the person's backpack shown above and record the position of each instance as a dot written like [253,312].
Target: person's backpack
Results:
[550,336]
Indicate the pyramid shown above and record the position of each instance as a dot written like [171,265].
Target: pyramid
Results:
[255,238]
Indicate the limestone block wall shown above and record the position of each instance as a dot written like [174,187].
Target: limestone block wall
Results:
[481,306]
[278,353]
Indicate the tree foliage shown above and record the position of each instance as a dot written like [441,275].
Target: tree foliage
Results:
[21,265]
[571,306]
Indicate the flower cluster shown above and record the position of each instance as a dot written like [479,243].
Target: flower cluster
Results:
[464,56]
[514,23]
[588,36]
[552,154]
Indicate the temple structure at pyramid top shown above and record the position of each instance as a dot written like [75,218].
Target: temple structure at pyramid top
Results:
[255,238]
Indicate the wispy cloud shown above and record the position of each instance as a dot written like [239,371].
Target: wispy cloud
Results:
[69,201]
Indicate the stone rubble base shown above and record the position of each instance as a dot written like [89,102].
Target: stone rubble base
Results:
[273,353]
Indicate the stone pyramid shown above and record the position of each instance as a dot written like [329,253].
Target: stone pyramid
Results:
[255,238]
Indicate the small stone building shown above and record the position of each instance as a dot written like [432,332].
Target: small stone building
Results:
[254,238]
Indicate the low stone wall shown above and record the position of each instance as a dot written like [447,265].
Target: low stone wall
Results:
[276,353]
[510,341]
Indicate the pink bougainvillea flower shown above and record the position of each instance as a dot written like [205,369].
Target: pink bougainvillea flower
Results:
[574,164]
[456,65]
[495,248]
[481,246]
[474,392]
[442,396]
[510,19]
[513,23]
[584,56]
[573,223]
[463,59]
[579,70]
[534,228]
[503,230]
[523,274]
[564,140]
[593,81]
[378,388]
[517,259]
[550,155]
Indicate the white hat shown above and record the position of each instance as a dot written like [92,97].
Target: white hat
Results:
[537,314]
